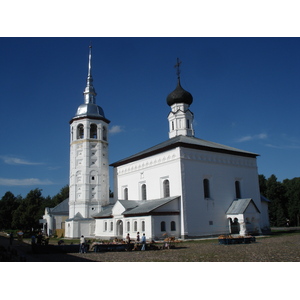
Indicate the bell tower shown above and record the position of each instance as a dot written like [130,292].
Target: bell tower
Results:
[89,168]
[180,118]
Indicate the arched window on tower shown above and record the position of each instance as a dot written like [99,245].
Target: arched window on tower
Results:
[237,190]
[144,192]
[206,188]
[93,131]
[80,131]
[104,133]
[166,188]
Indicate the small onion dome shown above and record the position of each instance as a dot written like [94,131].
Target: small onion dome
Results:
[179,95]
[89,110]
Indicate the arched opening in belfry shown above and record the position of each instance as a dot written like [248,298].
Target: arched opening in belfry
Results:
[80,131]
[93,131]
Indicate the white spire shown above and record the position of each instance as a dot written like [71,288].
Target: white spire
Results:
[89,92]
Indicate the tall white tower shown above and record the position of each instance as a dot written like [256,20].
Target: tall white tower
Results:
[89,169]
[180,118]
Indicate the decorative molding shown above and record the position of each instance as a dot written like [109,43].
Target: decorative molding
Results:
[220,159]
[211,158]
[146,163]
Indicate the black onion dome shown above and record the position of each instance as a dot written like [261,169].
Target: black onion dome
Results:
[179,95]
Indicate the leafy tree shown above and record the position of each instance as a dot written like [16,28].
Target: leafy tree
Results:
[27,215]
[262,184]
[292,188]
[61,196]
[275,191]
[8,204]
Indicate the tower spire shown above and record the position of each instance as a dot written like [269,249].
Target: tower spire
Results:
[177,66]
[90,61]
[89,92]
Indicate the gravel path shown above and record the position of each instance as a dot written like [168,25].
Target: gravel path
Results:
[276,248]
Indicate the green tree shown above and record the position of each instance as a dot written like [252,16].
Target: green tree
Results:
[61,196]
[27,215]
[292,187]
[262,184]
[8,204]
[275,192]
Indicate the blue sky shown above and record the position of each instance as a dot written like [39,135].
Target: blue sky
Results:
[246,95]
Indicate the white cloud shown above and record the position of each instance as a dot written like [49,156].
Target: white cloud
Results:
[10,160]
[283,147]
[261,136]
[26,181]
[116,129]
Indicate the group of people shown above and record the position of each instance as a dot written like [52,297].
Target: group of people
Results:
[40,239]
[137,242]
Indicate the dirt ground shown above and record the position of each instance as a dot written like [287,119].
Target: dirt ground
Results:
[277,247]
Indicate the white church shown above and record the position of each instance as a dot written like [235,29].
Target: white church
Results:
[185,187]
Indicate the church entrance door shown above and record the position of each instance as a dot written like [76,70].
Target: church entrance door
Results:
[234,226]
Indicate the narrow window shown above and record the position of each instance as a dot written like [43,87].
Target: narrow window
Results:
[104,133]
[126,194]
[172,125]
[144,192]
[206,188]
[237,190]
[188,124]
[135,226]
[111,226]
[143,225]
[173,226]
[163,226]
[80,131]
[93,131]
[128,226]
[166,187]
[105,226]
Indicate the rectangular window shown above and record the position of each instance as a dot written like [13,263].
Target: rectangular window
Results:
[237,190]
[206,188]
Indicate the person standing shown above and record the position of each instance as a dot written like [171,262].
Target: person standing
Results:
[143,242]
[128,241]
[11,238]
[82,245]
